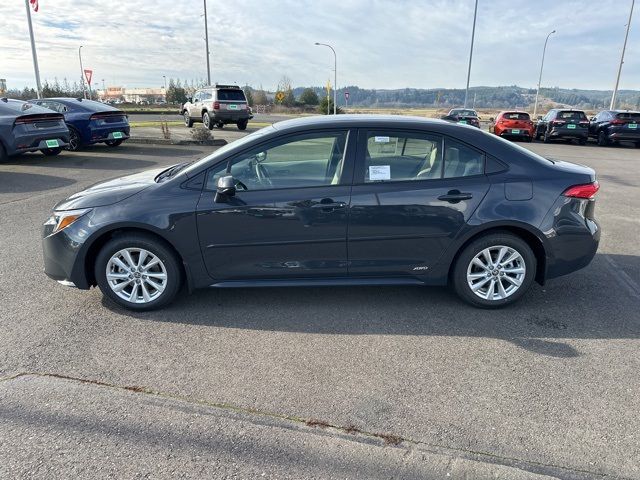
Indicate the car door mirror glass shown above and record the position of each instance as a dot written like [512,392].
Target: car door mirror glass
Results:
[226,187]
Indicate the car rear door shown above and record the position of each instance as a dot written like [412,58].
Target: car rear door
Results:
[288,218]
[413,191]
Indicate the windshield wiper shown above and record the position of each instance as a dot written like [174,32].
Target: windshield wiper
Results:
[169,172]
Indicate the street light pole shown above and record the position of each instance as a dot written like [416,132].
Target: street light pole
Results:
[206,39]
[624,47]
[164,77]
[84,93]
[335,77]
[473,35]
[535,106]
[33,49]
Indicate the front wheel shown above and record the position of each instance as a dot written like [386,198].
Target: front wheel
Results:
[51,152]
[114,143]
[138,272]
[494,270]
[602,139]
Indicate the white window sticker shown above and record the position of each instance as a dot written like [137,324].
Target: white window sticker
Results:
[380,172]
[381,139]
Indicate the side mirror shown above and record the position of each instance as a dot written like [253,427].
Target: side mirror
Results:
[226,187]
[539,117]
[592,119]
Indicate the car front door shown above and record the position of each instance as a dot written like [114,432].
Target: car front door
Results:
[194,106]
[288,217]
[413,191]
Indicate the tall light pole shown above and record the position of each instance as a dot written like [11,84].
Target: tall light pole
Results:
[164,77]
[84,93]
[206,39]
[624,47]
[33,50]
[335,76]
[473,35]
[544,50]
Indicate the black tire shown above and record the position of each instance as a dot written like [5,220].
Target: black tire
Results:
[637,146]
[220,125]
[528,139]
[4,157]
[582,141]
[156,247]
[497,239]
[207,121]
[602,138]
[242,124]
[75,143]
[114,143]
[51,152]
[546,138]
[187,120]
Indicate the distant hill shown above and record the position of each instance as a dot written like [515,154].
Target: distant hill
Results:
[482,97]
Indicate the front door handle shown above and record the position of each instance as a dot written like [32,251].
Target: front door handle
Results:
[328,206]
[455,196]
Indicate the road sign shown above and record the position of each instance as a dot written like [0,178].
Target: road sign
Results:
[346,96]
[88,74]
[279,96]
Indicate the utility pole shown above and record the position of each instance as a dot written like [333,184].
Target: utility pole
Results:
[84,92]
[544,50]
[335,76]
[624,47]
[206,39]
[33,50]
[473,35]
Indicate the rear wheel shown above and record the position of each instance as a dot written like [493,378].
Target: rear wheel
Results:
[637,146]
[242,124]
[219,125]
[546,138]
[582,141]
[51,152]
[74,140]
[187,120]
[602,139]
[207,121]
[138,272]
[3,154]
[494,270]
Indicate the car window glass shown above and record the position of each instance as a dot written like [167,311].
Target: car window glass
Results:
[393,156]
[570,115]
[461,160]
[205,96]
[307,160]
[516,116]
[231,95]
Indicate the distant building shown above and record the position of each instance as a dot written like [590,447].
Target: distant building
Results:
[133,95]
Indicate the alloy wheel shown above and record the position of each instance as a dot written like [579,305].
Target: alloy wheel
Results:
[496,272]
[136,275]
[74,141]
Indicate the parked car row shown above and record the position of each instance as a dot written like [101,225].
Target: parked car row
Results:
[608,127]
[51,124]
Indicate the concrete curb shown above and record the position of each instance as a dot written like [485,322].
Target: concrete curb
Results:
[163,141]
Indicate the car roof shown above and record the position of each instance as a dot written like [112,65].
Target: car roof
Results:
[354,121]
[89,105]
[19,107]
[513,111]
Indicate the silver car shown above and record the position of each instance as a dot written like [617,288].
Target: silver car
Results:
[217,106]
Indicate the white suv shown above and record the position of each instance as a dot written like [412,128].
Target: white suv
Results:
[217,106]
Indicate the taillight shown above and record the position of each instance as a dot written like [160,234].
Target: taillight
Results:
[216,105]
[558,122]
[617,121]
[584,124]
[588,190]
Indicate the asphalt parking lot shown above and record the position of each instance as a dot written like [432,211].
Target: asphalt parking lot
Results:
[362,382]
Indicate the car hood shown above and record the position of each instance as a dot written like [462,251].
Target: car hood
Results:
[111,191]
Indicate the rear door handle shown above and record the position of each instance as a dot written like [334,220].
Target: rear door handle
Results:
[455,196]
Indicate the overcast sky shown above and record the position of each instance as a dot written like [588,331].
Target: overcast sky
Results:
[380,43]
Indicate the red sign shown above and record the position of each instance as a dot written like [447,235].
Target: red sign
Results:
[88,74]
[34,5]
[346,95]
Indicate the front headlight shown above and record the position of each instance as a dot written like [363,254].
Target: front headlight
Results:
[61,220]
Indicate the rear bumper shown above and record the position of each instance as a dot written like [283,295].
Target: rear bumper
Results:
[38,141]
[629,136]
[560,132]
[231,116]
[104,133]
[509,133]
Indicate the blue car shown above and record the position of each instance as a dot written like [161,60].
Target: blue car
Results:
[29,128]
[89,121]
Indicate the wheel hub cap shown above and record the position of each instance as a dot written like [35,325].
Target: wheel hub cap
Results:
[496,272]
[136,275]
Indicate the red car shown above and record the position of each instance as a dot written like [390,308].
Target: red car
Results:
[517,125]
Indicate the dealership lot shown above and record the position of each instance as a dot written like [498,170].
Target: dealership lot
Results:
[222,382]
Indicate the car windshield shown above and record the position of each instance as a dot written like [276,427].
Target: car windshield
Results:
[221,152]
[233,95]
[572,115]
[516,116]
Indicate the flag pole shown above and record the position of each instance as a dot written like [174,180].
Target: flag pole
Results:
[33,50]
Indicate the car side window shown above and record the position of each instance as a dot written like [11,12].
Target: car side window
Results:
[205,96]
[305,160]
[402,156]
[196,97]
[57,107]
[460,160]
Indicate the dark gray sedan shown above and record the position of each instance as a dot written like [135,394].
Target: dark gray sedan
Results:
[28,128]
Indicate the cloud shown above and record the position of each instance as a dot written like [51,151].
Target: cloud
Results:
[380,43]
